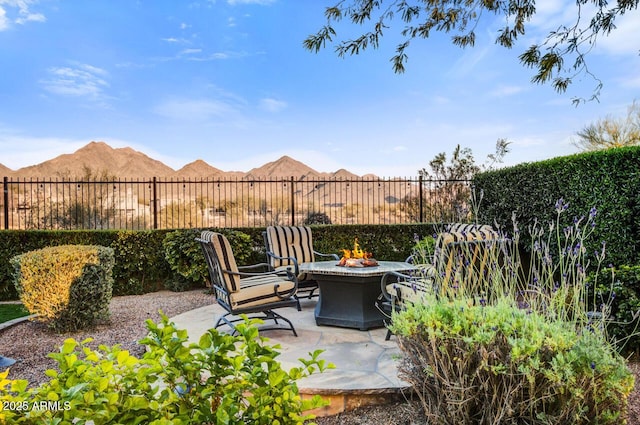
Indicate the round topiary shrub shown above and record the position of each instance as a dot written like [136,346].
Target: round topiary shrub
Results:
[67,287]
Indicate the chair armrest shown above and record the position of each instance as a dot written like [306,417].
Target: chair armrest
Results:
[255,266]
[412,259]
[385,281]
[291,259]
[334,256]
[288,273]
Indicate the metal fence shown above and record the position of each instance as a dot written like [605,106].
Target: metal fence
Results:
[156,203]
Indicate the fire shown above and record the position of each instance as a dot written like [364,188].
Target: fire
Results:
[356,252]
[356,257]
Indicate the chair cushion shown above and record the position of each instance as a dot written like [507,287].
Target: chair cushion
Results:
[409,291]
[225,257]
[259,290]
[290,241]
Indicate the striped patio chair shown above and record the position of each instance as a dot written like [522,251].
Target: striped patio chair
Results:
[462,261]
[290,246]
[255,294]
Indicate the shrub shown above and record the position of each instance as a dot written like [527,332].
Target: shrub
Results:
[520,344]
[68,287]
[501,364]
[222,379]
[605,179]
[184,255]
[619,289]
[140,264]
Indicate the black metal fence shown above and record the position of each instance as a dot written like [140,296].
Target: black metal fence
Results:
[156,203]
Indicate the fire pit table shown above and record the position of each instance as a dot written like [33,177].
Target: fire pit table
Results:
[348,294]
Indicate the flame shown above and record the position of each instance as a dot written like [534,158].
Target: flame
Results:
[356,252]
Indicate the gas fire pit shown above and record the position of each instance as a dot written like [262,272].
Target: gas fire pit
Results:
[356,257]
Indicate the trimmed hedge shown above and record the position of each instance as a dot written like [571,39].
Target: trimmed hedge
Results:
[67,287]
[607,180]
[141,264]
[619,290]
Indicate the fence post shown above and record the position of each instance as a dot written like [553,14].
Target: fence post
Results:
[420,199]
[155,203]
[6,202]
[293,204]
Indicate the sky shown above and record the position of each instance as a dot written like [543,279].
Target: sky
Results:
[229,82]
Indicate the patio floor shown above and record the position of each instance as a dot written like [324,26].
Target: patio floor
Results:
[366,365]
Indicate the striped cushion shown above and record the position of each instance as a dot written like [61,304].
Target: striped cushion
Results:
[467,227]
[259,290]
[225,256]
[410,291]
[290,241]
[464,257]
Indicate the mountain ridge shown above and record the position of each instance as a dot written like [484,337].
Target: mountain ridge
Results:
[99,160]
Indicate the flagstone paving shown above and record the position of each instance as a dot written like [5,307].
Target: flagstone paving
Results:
[366,366]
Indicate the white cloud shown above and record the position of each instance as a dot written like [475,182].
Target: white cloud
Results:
[4,21]
[272,105]
[553,14]
[24,14]
[623,40]
[504,91]
[82,80]
[190,51]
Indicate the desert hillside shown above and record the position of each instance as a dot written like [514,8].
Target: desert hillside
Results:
[98,159]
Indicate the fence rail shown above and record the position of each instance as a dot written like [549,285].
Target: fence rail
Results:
[156,203]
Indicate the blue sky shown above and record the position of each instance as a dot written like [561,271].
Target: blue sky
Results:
[228,81]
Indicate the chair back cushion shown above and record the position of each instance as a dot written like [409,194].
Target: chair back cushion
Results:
[225,259]
[289,241]
[465,257]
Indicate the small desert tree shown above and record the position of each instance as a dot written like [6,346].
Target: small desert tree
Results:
[449,178]
[611,132]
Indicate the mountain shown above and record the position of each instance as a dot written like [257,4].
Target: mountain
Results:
[344,175]
[284,167]
[198,168]
[5,171]
[98,159]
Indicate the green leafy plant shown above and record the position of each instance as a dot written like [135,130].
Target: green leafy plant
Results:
[502,364]
[140,265]
[184,255]
[522,342]
[221,379]
[618,288]
[67,287]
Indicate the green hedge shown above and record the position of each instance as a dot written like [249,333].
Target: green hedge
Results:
[141,264]
[618,290]
[607,180]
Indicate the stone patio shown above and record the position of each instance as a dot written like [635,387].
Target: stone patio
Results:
[366,365]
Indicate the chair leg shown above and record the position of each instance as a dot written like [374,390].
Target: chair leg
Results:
[266,315]
[298,306]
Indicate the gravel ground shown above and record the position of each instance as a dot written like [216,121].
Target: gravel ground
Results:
[30,342]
